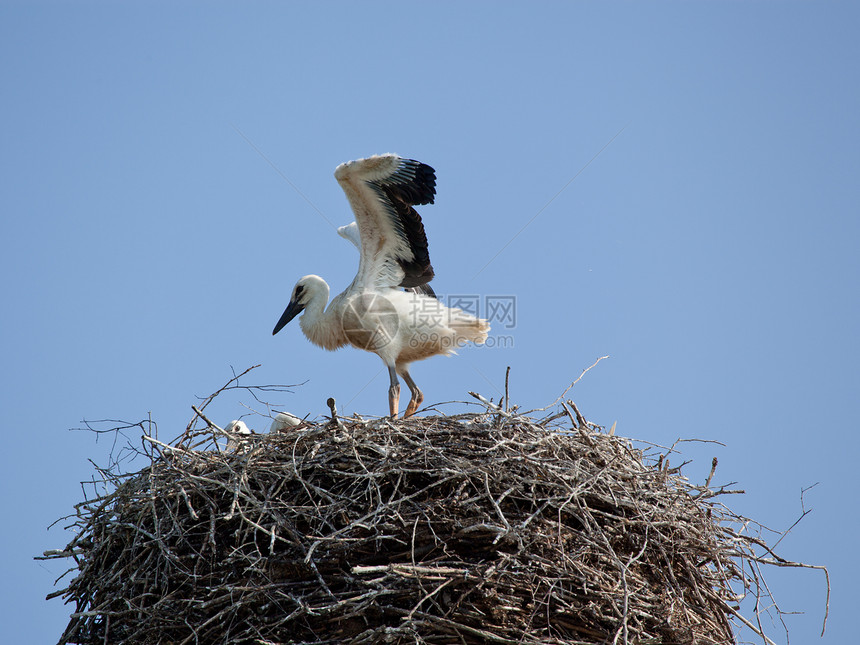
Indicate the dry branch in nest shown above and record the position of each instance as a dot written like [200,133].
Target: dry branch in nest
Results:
[474,528]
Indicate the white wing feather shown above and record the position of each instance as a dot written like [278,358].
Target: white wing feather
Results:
[350,232]
[392,243]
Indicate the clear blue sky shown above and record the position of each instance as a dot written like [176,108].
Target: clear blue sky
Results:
[153,234]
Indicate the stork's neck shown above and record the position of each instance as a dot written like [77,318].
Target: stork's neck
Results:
[322,328]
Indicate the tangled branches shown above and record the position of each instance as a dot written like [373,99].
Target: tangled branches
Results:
[475,528]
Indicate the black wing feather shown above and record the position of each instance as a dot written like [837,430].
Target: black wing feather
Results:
[413,183]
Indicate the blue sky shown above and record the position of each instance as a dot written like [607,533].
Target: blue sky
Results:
[688,173]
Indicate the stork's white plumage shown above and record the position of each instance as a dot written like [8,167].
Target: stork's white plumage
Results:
[374,313]
[236,431]
[284,421]
[237,427]
[350,232]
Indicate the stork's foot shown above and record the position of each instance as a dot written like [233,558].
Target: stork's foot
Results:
[414,404]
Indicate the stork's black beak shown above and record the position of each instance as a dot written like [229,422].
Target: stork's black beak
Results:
[293,309]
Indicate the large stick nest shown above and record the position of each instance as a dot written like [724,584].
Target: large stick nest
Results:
[475,528]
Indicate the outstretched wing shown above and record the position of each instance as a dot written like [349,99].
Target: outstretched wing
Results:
[382,190]
[350,232]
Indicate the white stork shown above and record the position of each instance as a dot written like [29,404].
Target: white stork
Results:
[374,313]
[283,422]
[236,432]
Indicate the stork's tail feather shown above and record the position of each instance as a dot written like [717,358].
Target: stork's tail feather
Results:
[468,328]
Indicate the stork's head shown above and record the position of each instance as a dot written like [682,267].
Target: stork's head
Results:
[237,427]
[308,289]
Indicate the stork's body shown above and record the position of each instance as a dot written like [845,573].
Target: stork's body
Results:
[375,313]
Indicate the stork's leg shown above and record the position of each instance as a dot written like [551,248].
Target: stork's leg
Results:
[417,395]
[394,393]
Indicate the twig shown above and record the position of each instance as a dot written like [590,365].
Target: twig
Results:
[333,407]
[711,474]
[563,394]
[490,405]
[580,419]
[208,421]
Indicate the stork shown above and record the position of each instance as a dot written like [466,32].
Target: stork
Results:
[236,432]
[374,312]
[284,421]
